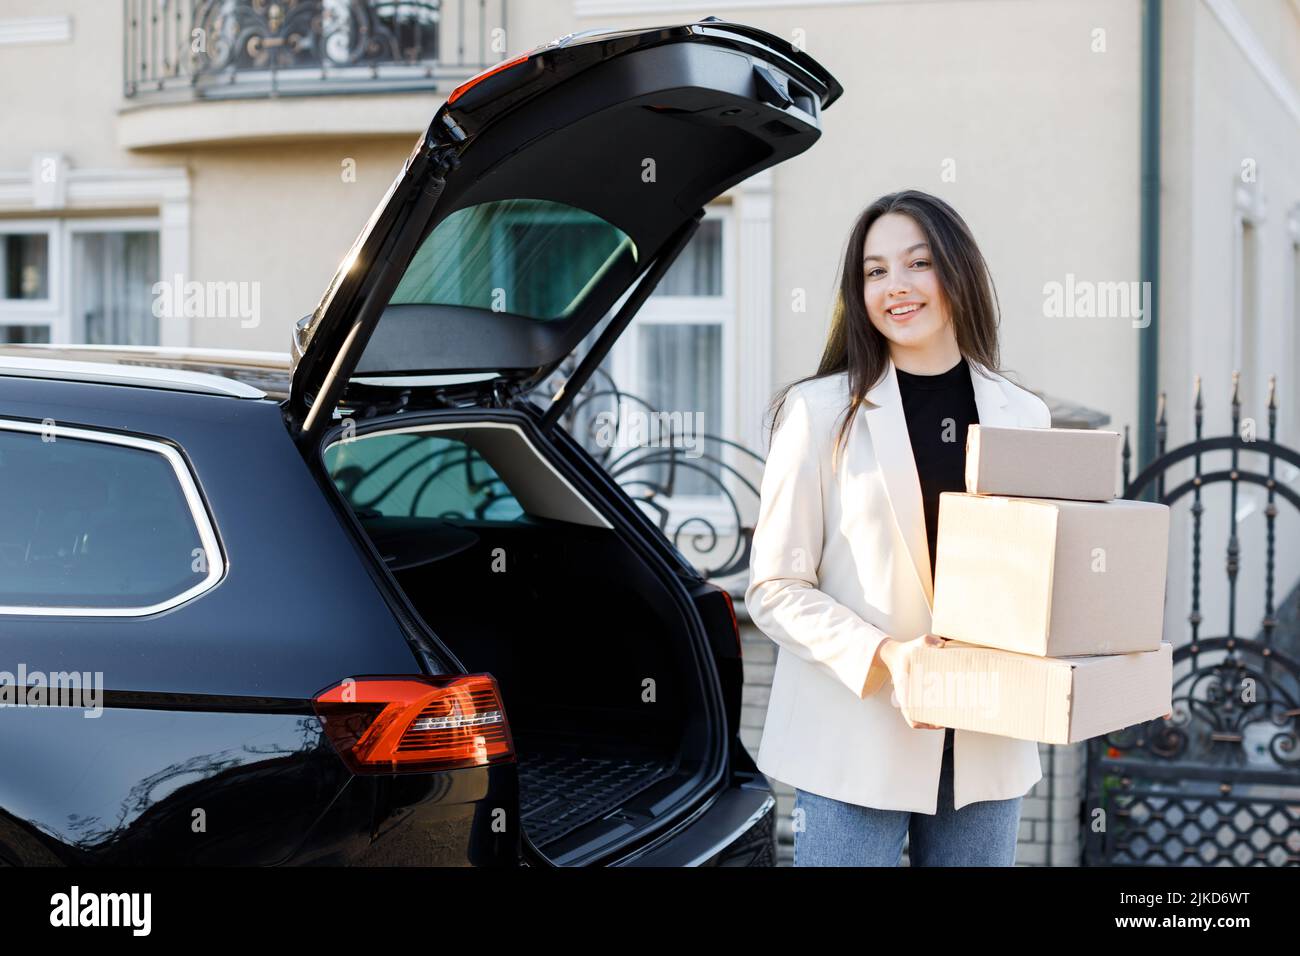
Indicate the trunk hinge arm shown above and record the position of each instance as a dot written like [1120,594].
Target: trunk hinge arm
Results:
[503,392]
[443,157]
[591,361]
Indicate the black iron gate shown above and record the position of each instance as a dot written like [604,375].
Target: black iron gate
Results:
[1218,784]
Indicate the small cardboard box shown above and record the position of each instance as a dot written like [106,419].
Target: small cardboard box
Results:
[1050,577]
[1053,700]
[1081,464]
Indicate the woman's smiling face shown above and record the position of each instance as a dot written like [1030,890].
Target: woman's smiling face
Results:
[900,285]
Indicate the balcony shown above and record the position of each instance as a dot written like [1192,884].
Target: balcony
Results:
[220,71]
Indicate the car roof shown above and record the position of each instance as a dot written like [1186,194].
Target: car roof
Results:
[224,372]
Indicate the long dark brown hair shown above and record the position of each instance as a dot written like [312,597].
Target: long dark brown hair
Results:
[858,347]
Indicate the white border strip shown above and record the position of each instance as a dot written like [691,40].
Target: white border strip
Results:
[606,8]
[101,188]
[198,513]
[16,30]
[1235,25]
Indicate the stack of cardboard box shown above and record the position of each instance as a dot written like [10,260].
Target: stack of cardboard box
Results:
[1050,591]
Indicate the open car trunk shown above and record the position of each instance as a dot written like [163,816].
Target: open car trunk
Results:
[549,196]
[521,577]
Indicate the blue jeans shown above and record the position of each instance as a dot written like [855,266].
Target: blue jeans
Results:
[835,833]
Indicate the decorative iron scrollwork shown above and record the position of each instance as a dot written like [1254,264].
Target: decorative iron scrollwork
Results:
[1219,781]
[296,34]
[654,473]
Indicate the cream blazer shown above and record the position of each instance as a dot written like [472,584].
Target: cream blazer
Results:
[839,561]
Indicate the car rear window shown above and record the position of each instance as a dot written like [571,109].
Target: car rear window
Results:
[94,525]
[529,257]
[418,476]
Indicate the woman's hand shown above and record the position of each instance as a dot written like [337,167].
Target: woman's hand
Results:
[897,656]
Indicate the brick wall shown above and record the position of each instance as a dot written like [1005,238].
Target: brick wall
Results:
[1050,832]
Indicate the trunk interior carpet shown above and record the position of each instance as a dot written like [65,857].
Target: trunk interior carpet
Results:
[563,785]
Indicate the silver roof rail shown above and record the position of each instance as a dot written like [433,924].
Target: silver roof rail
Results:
[113,369]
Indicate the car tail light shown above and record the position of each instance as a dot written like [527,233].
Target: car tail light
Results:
[397,724]
[735,625]
[478,78]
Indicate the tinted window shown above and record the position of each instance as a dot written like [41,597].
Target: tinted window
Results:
[86,524]
[420,476]
[25,266]
[531,257]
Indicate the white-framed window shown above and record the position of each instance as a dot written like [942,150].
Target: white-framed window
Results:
[79,280]
[678,354]
[29,271]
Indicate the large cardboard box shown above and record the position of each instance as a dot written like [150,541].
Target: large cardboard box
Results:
[1081,464]
[1051,577]
[1053,700]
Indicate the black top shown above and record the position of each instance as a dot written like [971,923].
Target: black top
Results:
[938,409]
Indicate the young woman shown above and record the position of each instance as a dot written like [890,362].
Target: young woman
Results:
[841,568]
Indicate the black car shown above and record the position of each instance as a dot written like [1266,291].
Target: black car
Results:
[402,616]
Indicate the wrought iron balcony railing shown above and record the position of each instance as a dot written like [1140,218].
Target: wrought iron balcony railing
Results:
[221,49]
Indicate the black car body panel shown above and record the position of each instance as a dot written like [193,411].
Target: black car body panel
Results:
[206,706]
[318,616]
[163,786]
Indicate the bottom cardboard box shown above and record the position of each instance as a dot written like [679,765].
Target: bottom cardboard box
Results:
[1053,700]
